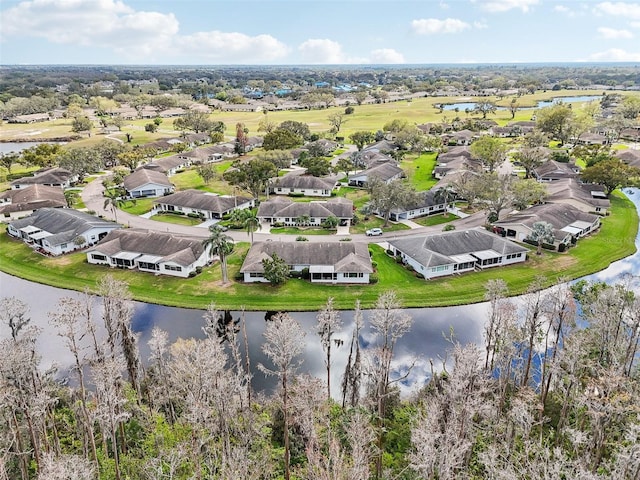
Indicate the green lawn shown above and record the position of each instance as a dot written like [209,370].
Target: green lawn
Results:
[302,231]
[616,240]
[375,222]
[141,206]
[419,171]
[436,219]
[176,219]
[189,179]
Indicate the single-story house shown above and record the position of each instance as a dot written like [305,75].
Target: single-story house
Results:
[30,118]
[629,156]
[551,171]
[592,139]
[19,203]
[588,197]
[172,112]
[428,204]
[386,172]
[456,252]
[155,252]
[332,262]
[52,177]
[169,165]
[568,222]
[209,205]
[450,164]
[60,230]
[195,139]
[462,137]
[201,155]
[285,211]
[147,183]
[306,185]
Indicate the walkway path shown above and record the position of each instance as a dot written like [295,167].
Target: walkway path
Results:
[92,196]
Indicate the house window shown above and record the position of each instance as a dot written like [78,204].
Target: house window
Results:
[64,245]
[173,268]
[255,275]
[97,256]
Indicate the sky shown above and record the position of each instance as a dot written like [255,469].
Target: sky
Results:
[296,32]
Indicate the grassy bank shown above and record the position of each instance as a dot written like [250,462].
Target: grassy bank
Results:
[615,240]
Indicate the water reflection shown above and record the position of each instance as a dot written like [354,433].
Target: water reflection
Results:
[462,106]
[427,340]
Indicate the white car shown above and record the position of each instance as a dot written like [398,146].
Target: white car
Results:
[374,232]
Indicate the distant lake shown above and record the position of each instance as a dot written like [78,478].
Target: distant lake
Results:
[17,147]
[462,106]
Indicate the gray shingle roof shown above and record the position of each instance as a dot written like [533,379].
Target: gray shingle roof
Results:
[202,201]
[559,215]
[143,176]
[571,189]
[344,256]
[553,169]
[181,250]
[165,164]
[341,208]
[53,176]
[433,250]
[305,181]
[32,198]
[64,224]
[383,171]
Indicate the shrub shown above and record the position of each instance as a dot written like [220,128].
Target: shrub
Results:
[373,279]
[448,227]
[238,277]
[345,239]
[349,110]
[374,264]
[301,239]
[419,275]
[194,215]
[296,194]
[562,247]
[180,170]
[198,269]
[295,274]
[390,252]
[278,224]
[305,273]
[546,246]
[192,274]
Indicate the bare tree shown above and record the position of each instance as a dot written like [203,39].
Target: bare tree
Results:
[329,322]
[352,378]
[66,467]
[389,324]
[284,342]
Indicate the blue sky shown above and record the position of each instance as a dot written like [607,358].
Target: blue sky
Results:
[276,32]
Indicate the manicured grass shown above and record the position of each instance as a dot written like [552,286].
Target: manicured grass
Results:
[419,171]
[176,219]
[302,231]
[141,206]
[189,179]
[614,241]
[376,222]
[436,219]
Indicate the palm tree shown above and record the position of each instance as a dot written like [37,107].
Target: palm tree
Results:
[114,200]
[221,245]
[541,232]
[251,223]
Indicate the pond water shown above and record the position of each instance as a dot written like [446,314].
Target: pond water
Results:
[462,106]
[17,147]
[428,338]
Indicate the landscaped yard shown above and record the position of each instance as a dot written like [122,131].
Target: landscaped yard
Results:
[419,171]
[176,219]
[302,231]
[436,219]
[189,179]
[615,240]
[141,206]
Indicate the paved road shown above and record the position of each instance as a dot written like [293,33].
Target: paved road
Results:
[93,198]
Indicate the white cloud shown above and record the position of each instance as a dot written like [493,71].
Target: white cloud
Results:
[635,24]
[615,55]
[561,9]
[613,34]
[480,25]
[139,35]
[321,50]
[620,9]
[385,56]
[231,47]
[101,23]
[431,26]
[506,5]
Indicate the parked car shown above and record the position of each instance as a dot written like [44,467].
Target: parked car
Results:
[374,232]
